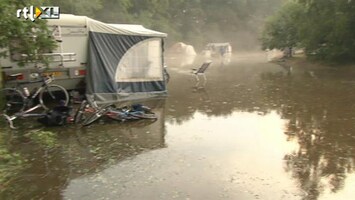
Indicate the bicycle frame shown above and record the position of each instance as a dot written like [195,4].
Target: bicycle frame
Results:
[33,95]
[28,99]
[110,111]
[23,114]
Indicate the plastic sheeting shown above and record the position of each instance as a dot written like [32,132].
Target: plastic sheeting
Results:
[142,62]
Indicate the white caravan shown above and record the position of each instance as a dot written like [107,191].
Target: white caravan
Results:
[69,61]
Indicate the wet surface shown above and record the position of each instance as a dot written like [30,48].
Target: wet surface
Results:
[254,130]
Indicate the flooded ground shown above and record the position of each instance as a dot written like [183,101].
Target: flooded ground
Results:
[254,130]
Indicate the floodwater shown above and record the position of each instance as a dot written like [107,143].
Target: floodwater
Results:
[254,130]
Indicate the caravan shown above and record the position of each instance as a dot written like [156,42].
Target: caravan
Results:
[113,61]
[217,49]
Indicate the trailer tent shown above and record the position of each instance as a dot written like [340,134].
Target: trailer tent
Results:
[125,62]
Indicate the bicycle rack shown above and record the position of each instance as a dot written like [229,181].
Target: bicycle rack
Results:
[61,57]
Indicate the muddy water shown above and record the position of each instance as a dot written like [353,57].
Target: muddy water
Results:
[254,130]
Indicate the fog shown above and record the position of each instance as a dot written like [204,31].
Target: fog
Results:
[196,22]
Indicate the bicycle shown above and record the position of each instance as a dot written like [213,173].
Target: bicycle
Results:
[19,101]
[118,114]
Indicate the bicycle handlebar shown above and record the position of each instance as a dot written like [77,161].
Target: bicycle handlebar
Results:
[48,78]
[44,79]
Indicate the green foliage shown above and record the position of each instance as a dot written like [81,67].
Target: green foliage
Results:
[196,22]
[45,139]
[84,7]
[13,162]
[24,36]
[10,164]
[281,30]
[325,29]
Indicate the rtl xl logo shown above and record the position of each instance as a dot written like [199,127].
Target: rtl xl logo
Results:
[43,12]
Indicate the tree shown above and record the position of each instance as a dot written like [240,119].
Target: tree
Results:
[281,30]
[196,22]
[82,7]
[324,28]
[329,32]
[22,36]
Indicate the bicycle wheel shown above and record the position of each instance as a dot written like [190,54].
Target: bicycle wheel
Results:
[80,112]
[95,116]
[52,96]
[11,101]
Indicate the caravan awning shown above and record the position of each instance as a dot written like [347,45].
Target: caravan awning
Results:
[125,62]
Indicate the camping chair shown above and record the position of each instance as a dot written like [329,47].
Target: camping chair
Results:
[201,70]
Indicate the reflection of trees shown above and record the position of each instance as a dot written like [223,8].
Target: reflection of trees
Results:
[228,89]
[317,104]
[321,119]
[80,151]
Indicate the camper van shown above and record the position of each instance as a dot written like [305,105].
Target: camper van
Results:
[218,49]
[122,55]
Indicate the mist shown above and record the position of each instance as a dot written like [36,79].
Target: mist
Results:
[196,22]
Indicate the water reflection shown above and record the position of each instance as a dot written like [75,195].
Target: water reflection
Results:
[79,151]
[316,102]
[255,130]
[206,158]
[228,89]
[321,119]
